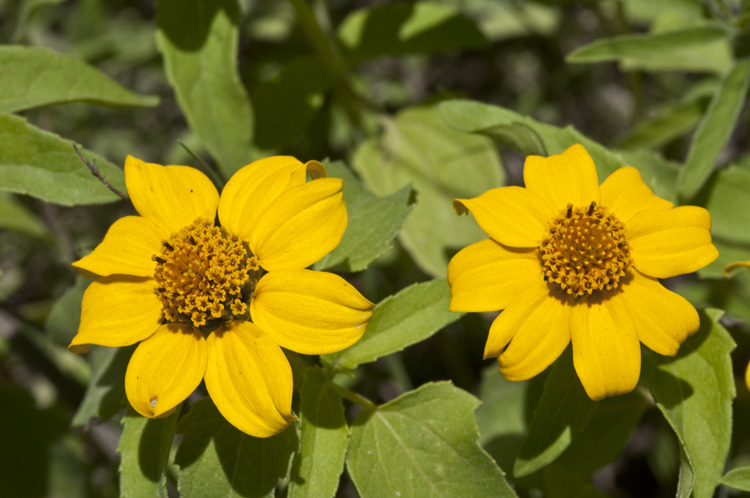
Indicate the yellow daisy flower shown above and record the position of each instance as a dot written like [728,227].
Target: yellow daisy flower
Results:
[571,260]
[217,303]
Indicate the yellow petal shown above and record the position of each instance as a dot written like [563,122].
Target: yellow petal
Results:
[513,216]
[625,195]
[301,226]
[487,276]
[165,369]
[171,196]
[249,379]
[606,350]
[662,318]
[747,376]
[126,249]
[668,243]
[310,312]
[567,178]
[733,266]
[117,311]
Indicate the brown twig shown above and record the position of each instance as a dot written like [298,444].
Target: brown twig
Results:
[95,171]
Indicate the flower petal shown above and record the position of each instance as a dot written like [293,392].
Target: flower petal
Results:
[117,311]
[301,226]
[513,216]
[487,276]
[310,312]
[165,369]
[171,196]
[249,379]
[606,350]
[662,318]
[567,178]
[126,249]
[668,243]
[625,194]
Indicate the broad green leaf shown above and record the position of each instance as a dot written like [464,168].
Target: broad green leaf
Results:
[410,316]
[404,28]
[217,460]
[423,443]
[737,479]
[198,40]
[715,129]
[144,448]
[15,216]
[694,392]
[34,77]
[728,202]
[441,164]
[105,394]
[43,165]
[324,437]
[65,315]
[373,223]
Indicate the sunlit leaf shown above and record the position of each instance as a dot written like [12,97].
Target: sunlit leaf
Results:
[105,394]
[737,479]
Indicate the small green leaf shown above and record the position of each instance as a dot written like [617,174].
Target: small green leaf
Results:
[737,479]
[41,164]
[410,316]
[65,315]
[217,460]
[694,392]
[373,223]
[715,129]
[423,443]
[319,463]
[144,448]
[16,217]
[105,394]
[198,40]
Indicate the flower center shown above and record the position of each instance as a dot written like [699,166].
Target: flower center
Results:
[586,250]
[204,273]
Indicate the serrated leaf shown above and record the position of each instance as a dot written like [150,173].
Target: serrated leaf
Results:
[144,448]
[43,165]
[441,164]
[410,316]
[217,460]
[715,129]
[105,394]
[324,437]
[423,443]
[65,315]
[737,479]
[16,217]
[373,223]
[694,392]
[198,40]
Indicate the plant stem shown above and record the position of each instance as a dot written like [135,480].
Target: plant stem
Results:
[355,398]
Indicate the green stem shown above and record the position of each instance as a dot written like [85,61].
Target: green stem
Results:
[355,398]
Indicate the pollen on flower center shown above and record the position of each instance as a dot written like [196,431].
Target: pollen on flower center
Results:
[586,250]
[204,273]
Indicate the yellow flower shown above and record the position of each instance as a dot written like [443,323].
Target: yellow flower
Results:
[570,260]
[187,288]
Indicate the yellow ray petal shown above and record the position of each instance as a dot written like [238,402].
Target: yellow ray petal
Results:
[567,178]
[310,312]
[165,369]
[513,216]
[668,243]
[487,276]
[606,350]
[171,196]
[301,226]
[662,318]
[126,249]
[747,376]
[249,379]
[625,194]
[117,311]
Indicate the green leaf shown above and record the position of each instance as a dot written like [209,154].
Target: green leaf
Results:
[16,217]
[441,164]
[198,40]
[667,124]
[217,460]
[405,28]
[715,129]
[737,479]
[423,443]
[105,394]
[410,316]
[373,223]
[144,448]
[65,315]
[324,438]
[560,482]
[728,202]
[41,164]
[694,392]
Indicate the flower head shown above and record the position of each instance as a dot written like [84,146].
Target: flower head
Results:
[218,302]
[569,260]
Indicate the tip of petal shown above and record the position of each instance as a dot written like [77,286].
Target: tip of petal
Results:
[459,207]
[79,347]
[316,170]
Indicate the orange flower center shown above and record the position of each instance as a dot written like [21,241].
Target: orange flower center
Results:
[204,275]
[586,250]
